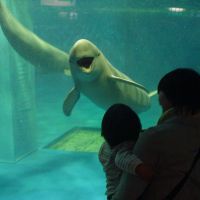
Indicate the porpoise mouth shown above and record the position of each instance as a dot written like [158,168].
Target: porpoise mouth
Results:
[85,63]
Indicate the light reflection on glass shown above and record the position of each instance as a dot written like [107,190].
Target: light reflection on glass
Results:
[60,3]
[175,9]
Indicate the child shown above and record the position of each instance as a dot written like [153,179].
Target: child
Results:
[120,128]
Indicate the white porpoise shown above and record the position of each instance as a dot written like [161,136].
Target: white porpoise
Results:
[96,78]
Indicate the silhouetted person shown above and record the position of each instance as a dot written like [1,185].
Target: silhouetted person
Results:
[171,146]
[120,128]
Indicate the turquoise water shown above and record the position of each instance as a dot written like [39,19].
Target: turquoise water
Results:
[143,39]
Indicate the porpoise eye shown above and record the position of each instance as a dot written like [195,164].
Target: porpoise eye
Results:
[85,62]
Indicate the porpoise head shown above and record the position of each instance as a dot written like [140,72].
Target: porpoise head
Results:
[83,60]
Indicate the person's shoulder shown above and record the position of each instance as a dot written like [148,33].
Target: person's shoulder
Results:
[150,132]
[154,134]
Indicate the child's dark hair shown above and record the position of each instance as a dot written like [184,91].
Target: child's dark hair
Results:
[182,88]
[119,124]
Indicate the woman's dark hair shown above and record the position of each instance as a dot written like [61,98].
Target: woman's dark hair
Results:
[120,123]
[182,88]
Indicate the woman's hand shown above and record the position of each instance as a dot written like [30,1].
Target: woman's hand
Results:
[145,172]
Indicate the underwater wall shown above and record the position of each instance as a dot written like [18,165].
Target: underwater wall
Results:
[17,102]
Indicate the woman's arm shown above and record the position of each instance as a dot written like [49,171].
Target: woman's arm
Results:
[132,187]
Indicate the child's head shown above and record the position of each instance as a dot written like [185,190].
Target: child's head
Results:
[119,124]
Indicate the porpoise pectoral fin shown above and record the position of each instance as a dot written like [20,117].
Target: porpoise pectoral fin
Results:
[129,82]
[70,101]
[152,93]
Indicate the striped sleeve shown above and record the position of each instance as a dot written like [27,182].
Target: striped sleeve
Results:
[127,161]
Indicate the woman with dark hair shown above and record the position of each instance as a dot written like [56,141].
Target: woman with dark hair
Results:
[171,148]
